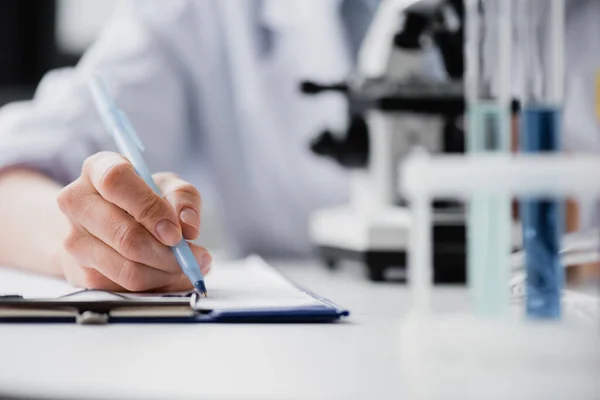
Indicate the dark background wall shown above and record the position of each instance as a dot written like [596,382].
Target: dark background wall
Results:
[27,46]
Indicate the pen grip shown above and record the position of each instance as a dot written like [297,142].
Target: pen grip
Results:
[187,261]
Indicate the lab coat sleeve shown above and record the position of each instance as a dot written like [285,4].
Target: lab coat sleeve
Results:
[139,56]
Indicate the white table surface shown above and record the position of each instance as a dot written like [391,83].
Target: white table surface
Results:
[359,358]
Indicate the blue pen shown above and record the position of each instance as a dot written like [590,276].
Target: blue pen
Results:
[130,145]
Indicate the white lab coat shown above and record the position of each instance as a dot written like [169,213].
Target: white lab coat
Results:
[211,87]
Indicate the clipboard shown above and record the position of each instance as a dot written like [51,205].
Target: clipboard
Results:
[283,302]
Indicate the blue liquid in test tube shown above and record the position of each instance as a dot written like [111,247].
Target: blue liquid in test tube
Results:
[543,219]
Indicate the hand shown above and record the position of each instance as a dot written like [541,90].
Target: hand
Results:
[121,230]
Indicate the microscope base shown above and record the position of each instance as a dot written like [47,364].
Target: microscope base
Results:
[380,241]
[377,262]
[449,266]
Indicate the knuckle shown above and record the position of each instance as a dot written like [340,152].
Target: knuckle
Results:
[90,279]
[92,162]
[151,208]
[64,199]
[164,177]
[88,164]
[71,241]
[188,189]
[67,197]
[114,175]
[130,241]
[185,195]
[129,277]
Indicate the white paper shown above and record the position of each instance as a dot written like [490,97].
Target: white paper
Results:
[245,284]
[29,285]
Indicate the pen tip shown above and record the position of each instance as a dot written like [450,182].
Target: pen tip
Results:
[201,287]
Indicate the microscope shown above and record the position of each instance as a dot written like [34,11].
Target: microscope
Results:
[392,109]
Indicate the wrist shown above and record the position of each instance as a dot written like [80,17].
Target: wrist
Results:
[33,226]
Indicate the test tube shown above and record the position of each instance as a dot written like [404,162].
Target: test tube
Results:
[542,29]
[488,52]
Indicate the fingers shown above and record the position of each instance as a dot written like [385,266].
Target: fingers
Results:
[98,266]
[203,257]
[114,227]
[185,200]
[120,239]
[87,278]
[116,181]
[183,283]
[124,273]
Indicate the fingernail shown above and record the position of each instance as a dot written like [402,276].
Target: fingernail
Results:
[190,217]
[168,232]
[206,262]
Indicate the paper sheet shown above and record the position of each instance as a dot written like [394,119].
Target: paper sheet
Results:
[245,284]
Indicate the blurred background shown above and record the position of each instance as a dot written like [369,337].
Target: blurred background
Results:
[36,36]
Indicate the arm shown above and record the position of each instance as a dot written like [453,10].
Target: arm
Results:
[32,224]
